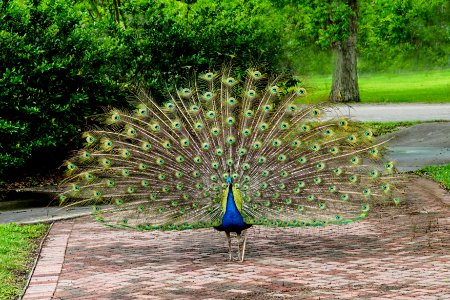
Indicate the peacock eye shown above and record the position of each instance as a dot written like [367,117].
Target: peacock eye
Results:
[301,91]
[315,112]
[256,74]
[208,95]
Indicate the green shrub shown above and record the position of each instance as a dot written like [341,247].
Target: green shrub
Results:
[60,63]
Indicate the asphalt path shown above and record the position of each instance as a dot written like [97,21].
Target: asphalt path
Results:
[42,214]
[422,145]
[396,112]
[410,148]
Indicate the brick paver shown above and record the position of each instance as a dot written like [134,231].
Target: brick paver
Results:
[48,269]
[401,253]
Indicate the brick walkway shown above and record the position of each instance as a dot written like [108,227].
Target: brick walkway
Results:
[396,253]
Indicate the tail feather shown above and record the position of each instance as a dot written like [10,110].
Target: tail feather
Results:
[166,166]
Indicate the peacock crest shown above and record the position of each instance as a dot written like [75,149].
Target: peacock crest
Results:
[175,166]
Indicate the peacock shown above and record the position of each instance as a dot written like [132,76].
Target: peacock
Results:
[228,152]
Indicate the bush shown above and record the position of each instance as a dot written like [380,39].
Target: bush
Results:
[46,88]
[61,63]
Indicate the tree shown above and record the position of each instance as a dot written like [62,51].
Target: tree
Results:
[345,78]
[320,25]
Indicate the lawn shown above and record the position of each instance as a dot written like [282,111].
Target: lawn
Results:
[380,128]
[17,245]
[440,174]
[425,86]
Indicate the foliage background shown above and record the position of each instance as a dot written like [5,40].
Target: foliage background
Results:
[63,60]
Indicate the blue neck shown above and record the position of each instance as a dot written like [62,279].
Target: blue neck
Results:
[232,216]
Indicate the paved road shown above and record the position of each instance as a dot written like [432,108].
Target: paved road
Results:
[411,148]
[397,112]
[396,253]
[42,214]
[421,145]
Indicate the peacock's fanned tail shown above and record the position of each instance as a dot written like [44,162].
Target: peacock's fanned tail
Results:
[166,167]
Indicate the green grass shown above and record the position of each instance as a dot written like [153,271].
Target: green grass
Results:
[17,244]
[440,174]
[424,86]
[380,128]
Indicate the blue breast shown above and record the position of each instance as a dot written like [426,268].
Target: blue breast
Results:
[232,216]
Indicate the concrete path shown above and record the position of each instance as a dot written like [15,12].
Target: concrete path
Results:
[410,148]
[397,112]
[396,253]
[42,214]
[421,145]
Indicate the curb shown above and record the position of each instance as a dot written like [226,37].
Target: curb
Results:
[35,262]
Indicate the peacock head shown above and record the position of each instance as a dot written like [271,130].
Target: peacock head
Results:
[229,180]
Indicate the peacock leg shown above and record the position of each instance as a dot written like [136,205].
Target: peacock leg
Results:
[239,245]
[243,246]
[229,243]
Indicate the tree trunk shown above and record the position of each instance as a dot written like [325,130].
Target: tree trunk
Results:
[345,79]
